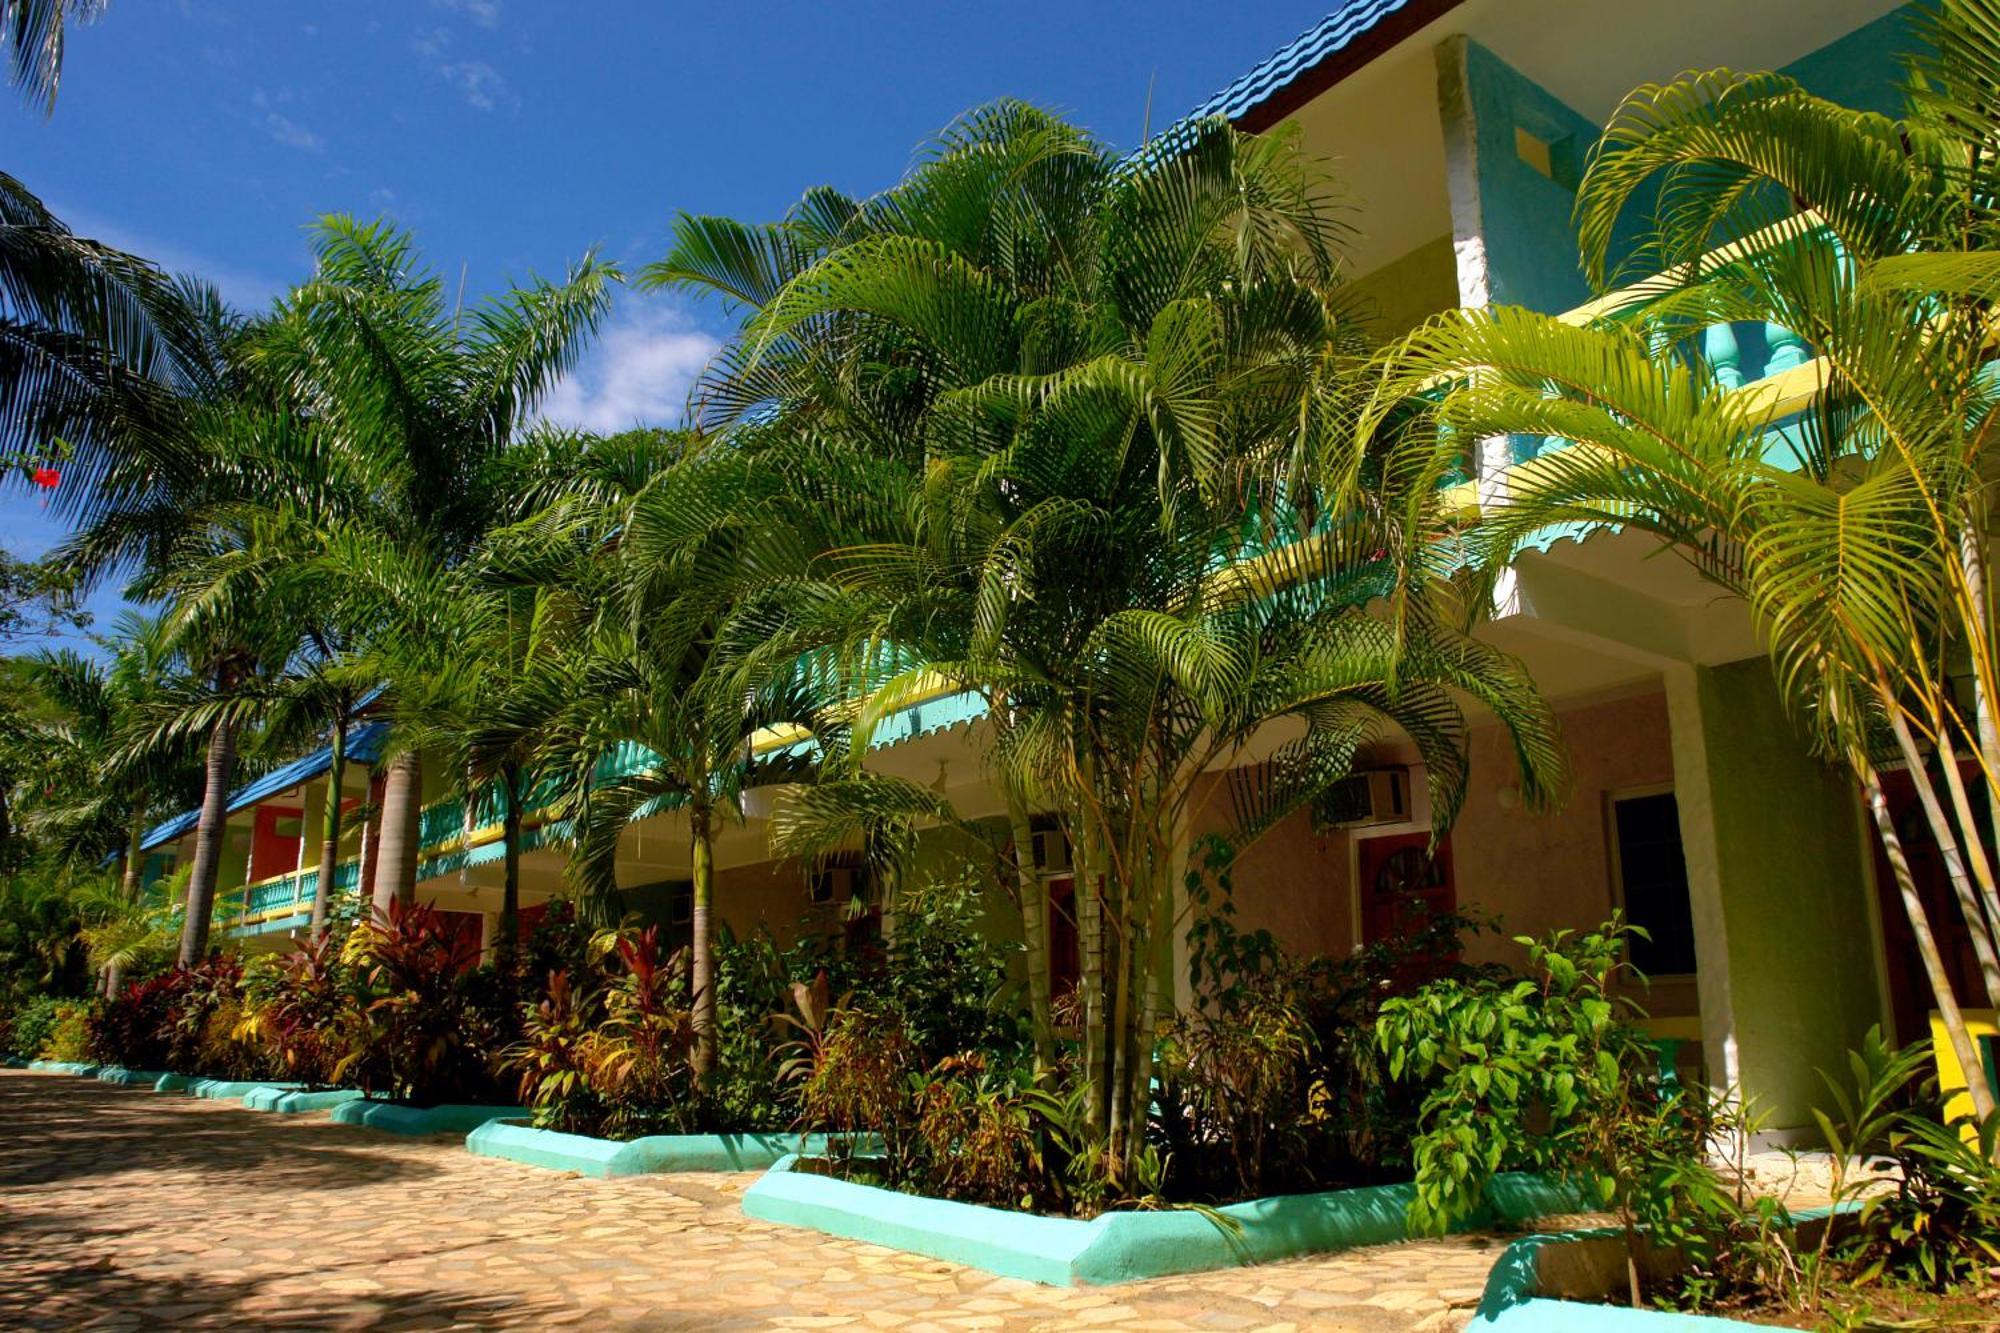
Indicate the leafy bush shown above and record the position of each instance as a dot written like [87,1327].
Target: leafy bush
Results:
[554,1060]
[422,1037]
[135,1028]
[302,1007]
[1271,1081]
[1548,1073]
[29,1026]
[69,1035]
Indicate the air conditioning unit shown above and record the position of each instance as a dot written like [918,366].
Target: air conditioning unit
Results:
[1051,852]
[837,884]
[1375,796]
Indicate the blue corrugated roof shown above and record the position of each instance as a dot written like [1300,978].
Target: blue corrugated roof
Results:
[364,743]
[1337,31]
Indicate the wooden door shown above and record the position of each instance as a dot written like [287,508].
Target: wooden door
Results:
[1065,959]
[1402,883]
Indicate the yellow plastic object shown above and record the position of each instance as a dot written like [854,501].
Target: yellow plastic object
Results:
[1979,1024]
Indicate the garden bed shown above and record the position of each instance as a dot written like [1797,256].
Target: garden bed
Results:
[403,1118]
[517,1141]
[1577,1280]
[1117,1246]
[297,1101]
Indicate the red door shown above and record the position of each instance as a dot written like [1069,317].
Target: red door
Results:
[1065,961]
[1402,882]
[1910,998]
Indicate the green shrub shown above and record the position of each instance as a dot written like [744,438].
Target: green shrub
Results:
[1549,1073]
[69,1036]
[30,1026]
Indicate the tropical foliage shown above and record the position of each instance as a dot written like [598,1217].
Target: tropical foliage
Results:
[1856,524]
[1076,436]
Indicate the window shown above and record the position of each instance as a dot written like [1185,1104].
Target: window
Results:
[1652,882]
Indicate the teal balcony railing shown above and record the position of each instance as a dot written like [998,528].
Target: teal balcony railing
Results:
[296,889]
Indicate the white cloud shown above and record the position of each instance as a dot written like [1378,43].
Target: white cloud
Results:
[639,374]
[292,134]
[486,13]
[481,85]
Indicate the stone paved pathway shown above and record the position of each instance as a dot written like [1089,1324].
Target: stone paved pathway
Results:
[120,1208]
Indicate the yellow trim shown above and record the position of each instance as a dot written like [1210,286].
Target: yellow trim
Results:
[1951,1074]
[1658,285]
[1674,1028]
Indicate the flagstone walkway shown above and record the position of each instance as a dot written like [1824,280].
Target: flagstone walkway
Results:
[121,1208]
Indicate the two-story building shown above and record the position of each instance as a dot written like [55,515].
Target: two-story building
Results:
[1459,129]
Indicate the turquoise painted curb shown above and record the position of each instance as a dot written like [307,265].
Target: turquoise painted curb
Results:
[129,1078]
[12,1062]
[73,1067]
[604,1158]
[291,1101]
[1119,1246]
[396,1118]
[1513,1301]
[177,1083]
[221,1089]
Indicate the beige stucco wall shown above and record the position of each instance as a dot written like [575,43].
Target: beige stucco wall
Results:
[1293,882]
[1537,873]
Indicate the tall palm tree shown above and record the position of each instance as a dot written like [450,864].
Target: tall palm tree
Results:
[624,693]
[1075,434]
[1859,530]
[429,395]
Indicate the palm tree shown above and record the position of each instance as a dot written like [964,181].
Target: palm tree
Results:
[104,714]
[1075,434]
[622,689]
[1859,531]
[426,395]
[31,32]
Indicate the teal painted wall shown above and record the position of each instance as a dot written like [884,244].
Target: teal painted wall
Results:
[1525,216]
[1864,69]
[1795,895]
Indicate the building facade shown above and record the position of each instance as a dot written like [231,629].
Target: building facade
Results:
[1458,129]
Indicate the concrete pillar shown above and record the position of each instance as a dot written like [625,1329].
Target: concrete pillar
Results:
[1784,933]
[489,935]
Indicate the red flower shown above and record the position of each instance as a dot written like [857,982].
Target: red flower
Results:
[47,478]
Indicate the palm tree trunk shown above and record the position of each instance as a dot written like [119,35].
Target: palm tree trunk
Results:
[128,890]
[1920,926]
[702,851]
[329,847]
[208,843]
[1091,975]
[135,859]
[510,881]
[402,817]
[1034,898]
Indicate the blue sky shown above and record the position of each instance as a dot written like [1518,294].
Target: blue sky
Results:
[512,135]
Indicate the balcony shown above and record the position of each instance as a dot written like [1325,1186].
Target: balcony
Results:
[285,901]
